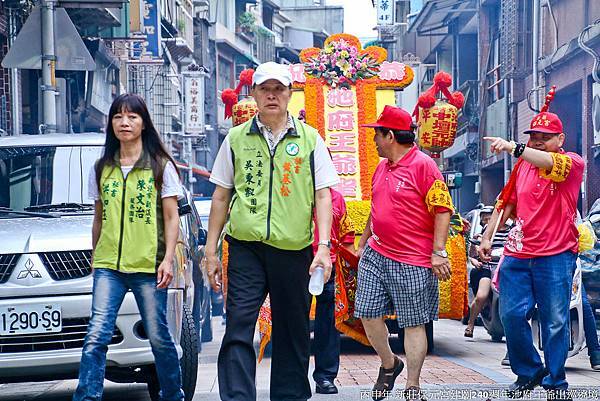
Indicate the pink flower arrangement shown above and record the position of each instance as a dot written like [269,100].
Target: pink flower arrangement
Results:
[340,63]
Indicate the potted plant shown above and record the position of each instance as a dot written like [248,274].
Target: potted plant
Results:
[247,23]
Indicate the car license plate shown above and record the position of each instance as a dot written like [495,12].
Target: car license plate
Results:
[30,319]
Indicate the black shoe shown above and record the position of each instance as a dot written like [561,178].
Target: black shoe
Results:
[523,386]
[505,361]
[558,395]
[325,387]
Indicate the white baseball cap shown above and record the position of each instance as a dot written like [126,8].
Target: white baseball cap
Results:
[272,70]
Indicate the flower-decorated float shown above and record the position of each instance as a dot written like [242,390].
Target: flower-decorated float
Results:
[336,89]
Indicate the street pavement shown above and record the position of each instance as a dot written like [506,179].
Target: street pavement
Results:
[459,369]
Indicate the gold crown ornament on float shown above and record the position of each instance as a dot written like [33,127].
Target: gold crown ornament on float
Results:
[437,119]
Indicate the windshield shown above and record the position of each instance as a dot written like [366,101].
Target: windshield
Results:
[45,175]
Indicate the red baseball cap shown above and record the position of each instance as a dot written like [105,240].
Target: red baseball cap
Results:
[393,118]
[545,122]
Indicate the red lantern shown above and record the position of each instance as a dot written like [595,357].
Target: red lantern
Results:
[243,111]
[246,109]
[437,127]
[438,119]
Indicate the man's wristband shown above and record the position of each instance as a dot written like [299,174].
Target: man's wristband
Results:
[518,149]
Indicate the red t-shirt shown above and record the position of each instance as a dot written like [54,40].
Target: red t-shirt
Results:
[339,225]
[546,208]
[406,196]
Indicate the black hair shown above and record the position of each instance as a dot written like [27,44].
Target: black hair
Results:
[151,142]
[402,136]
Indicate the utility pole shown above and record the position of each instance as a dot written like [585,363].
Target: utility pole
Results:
[14,80]
[48,69]
[535,50]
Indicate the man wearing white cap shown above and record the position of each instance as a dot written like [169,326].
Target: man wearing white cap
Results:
[270,173]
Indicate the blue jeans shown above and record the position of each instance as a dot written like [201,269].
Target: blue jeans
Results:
[110,287]
[589,325]
[545,281]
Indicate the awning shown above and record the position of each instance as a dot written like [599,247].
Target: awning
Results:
[179,50]
[436,15]
[272,4]
[70,51]
[222,42]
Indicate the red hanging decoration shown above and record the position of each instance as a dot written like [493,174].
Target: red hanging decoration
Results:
[245,79]
[457,100]
[438,119]
[549,98]
[229,98]
[426,100]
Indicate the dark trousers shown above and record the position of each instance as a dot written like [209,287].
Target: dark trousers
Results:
[255,269]
[326,342]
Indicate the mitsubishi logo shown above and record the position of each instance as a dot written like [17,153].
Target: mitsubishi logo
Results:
[29,270]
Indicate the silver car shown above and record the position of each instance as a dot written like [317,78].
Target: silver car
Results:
[45,273]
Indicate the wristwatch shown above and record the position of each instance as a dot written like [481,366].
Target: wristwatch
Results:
[327,243]
[442,253]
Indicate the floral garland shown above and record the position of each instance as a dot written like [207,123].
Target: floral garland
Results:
[453,292]
[367,152]
[313,102]
[358,212]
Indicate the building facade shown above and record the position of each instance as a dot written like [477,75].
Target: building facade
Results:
[504,55]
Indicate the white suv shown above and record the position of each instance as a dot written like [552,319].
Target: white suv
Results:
[45,273]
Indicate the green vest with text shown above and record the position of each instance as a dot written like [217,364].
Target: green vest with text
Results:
[274,196]
[132,235]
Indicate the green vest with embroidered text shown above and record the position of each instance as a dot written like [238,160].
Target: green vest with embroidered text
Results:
[132,235]
[274,196]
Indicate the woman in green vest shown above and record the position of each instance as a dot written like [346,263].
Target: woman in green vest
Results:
[135,185]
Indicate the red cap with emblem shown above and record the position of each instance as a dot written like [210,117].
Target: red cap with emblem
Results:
[393,118]
[546,122]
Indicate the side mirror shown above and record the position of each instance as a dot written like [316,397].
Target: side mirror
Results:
[202,234]
[184,207]
[594,217]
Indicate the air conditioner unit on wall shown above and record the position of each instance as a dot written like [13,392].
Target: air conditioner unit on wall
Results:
[596,112]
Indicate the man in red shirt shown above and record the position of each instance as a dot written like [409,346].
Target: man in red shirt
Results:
[403,249]
[540,254]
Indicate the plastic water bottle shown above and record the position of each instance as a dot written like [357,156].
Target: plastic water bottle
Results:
[315,286]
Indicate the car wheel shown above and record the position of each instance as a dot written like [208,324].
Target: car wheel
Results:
[153,385]
[188,362]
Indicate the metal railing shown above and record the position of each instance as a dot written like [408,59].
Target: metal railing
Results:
[264,49]
[157,84]
[469,116]
[493,84]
